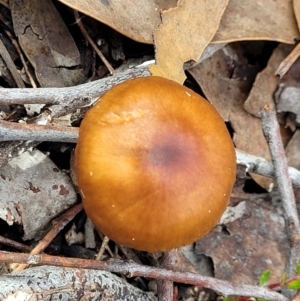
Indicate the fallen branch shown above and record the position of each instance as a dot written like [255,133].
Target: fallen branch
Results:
[132,269]
[85,93]
[12,131]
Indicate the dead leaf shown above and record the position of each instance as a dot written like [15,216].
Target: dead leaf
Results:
[184,34]
[31,195]
[265,85]
[226,79]
[258,20]
[248,246]
[296,5]
[47,43]
[134,19]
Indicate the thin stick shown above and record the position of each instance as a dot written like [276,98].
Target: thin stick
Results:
[286,64]
[14,244]
[272,134]
[11,66]
[92,43]
[132,269]
[166,287]
[88,92]
[12,131]
[102,249]
[18,48]
[264,167]
[58,224]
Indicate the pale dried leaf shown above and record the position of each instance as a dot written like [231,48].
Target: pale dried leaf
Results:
[134,19]
[296,5]
[32,192]
[258,20]
[184,34]
[47,43]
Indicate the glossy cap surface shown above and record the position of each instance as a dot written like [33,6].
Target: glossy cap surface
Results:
[155,164]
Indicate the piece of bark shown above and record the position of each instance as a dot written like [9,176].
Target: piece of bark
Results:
[66,284]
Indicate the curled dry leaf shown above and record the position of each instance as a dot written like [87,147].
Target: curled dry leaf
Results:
[134,19]
[258,20]
[184,34]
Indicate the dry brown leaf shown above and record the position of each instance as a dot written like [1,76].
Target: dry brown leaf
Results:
[296,5]
[258,20]
[134,19]
[184,34]
[243,20]
[265,85]
[47,43]
[226,79]
[249,246]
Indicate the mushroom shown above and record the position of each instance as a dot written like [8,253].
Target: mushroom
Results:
[155,164]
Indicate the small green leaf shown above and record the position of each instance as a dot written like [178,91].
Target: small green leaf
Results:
[298,267]
[295,284]
[260,299]
[264,277]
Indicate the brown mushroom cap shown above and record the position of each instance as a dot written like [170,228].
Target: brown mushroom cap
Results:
[155,164]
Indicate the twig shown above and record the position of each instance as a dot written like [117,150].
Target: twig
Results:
[166,287]
[132,269]
[18,48]
[87,92]
[12,131]
[64,101]
[264,167]
[272,134]
[14,244]
[286,64]
[102,249]
[87,36]
[58,224]
[11,66]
